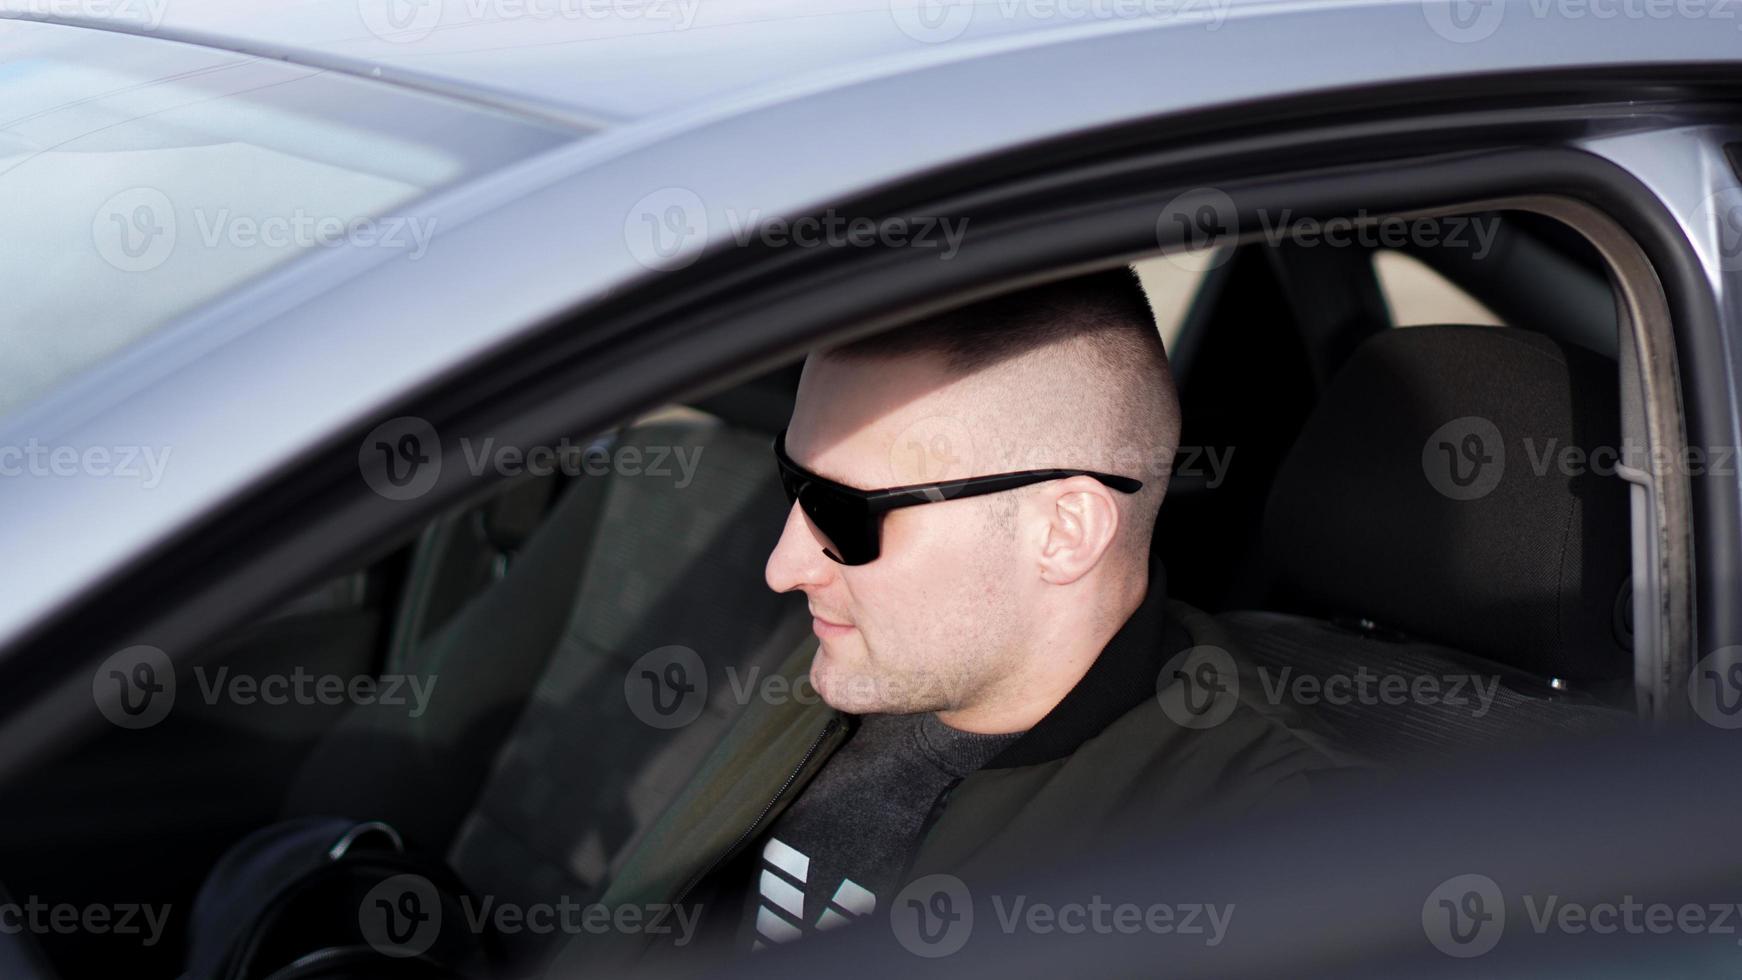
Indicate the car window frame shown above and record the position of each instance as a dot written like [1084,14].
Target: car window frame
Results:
[725,319]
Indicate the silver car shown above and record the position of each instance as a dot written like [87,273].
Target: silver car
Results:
[318,318]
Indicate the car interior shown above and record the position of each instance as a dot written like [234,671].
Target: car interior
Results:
[1320,550]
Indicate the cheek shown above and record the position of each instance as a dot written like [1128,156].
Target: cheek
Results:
[930,542]
[933,558]
[958,540]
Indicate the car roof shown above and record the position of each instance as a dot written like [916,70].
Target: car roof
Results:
[612,61]
[608,62]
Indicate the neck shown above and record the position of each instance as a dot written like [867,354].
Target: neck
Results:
[1067,639]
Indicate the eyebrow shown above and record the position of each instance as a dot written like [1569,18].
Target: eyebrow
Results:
[830,477]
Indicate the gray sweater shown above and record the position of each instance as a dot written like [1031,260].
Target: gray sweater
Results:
[840,850]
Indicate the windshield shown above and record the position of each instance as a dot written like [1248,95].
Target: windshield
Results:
[140,177]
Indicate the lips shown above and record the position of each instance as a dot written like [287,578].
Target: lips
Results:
[828,629]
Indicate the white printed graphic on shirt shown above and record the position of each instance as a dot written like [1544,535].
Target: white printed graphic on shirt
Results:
[780,917]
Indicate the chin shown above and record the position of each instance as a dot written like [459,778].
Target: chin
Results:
[837,688]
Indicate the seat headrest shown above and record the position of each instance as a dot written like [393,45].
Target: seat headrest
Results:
[1458,484]
[762,404]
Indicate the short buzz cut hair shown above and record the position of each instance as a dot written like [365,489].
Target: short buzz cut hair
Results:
[1103,320]
[1110,305]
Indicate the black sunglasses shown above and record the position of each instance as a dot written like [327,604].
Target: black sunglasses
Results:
[851,520]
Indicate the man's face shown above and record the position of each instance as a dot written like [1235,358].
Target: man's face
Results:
[929,624]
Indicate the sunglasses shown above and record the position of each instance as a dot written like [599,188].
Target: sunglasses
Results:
[850,520]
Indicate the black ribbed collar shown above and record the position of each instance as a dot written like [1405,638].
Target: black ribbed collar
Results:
[1119,680]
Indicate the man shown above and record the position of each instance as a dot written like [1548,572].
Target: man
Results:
[990,637]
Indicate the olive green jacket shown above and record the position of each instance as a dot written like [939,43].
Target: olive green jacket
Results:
[1110,758]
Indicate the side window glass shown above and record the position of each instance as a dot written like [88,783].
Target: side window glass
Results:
[1172,282]
[1418,295]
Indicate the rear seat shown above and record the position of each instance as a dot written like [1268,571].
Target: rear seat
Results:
[1371,563]
[530,769]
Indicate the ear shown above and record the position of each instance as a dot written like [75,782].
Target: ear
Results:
[1081,518]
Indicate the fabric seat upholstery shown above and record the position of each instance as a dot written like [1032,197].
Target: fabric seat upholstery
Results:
[529,769]
[1425,525]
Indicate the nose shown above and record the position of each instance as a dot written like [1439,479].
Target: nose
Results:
[797,561]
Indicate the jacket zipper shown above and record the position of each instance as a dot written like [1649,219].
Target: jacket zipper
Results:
[750,831]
